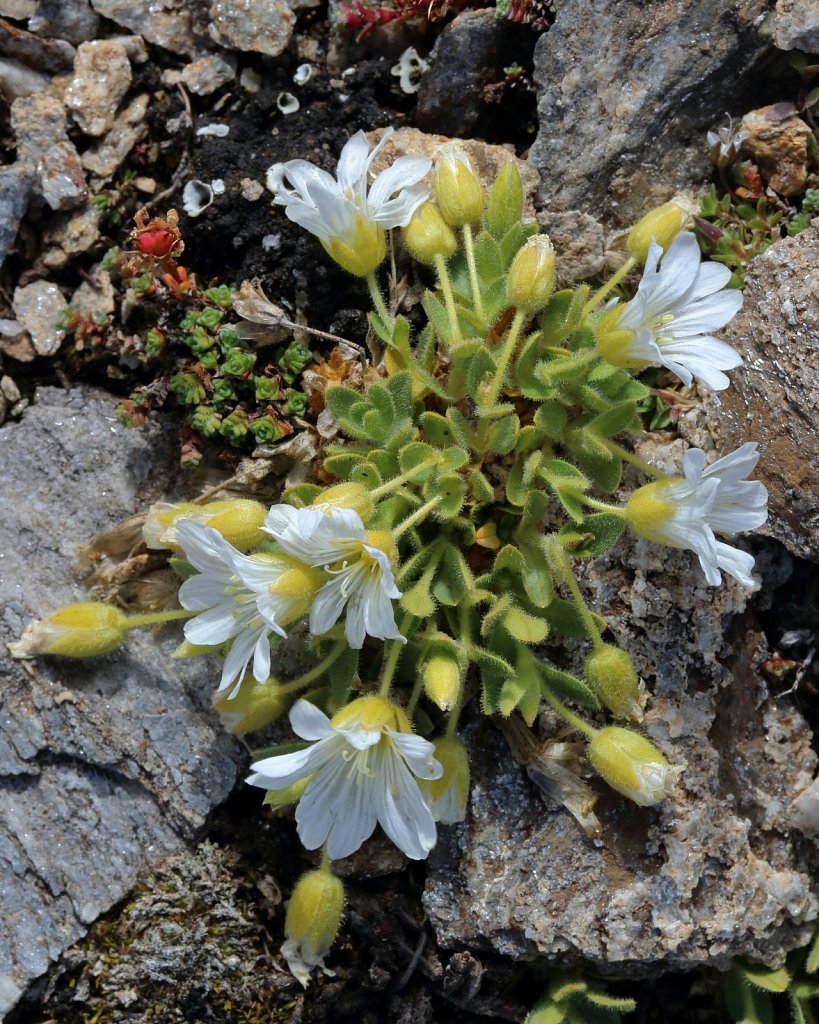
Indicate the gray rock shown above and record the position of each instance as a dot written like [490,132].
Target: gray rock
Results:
[62,181]
[95,300]
[38,122]
[258,26]
[105,157]
[166,23]
[18,9]
[626,95]
[16,182]
[716,871]
[796,25]
[66,19]
[106,766]
[203,76]
[18,80]
[38,307]
[102,76]
[774,397]
[50,55]
[70,234]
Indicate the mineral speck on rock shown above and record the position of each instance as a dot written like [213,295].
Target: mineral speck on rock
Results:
[260,26]
[102,76]
[38,307]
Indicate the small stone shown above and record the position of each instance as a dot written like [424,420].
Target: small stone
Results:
[134,47]
[217,131]
[18,80]
[69,235]
[38,123]
[105,157]
[166,23]
[50,55]
[580,241]
[61,177]
[252,190]
[95,301]
[102,76]
[250,81]
[777,139]
[65,19]
[38,307]
[16,182]
[9,389]
[796,25]
[17,9]
[208,74]
[259,26]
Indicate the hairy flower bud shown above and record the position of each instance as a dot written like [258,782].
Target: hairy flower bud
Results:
[348,495]
[254,706]
[611,674]
[632,765]
[457,188]
[662,224]
[442,679]
[77,631]
[531,278]
[428,235]
[312,922]
[238,520]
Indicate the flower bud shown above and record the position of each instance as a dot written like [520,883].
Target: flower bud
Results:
[428,235]
[611,674]
[238,520]
[648,510]
[447,795]
[362,251]
[77,631]
[614,343]
[253,707]
[348,495]
[442,679]
[457,189]
[531,278]
[278,798]
[312,922]
[632,765]
[662,224]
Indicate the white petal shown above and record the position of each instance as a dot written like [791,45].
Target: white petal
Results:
[405,172]
[282,770]
[327,606]
[419,755]
[237,658]
[353,162]
[402,811]
[205,590]
[708,314]
[213,626]
[693,465]
[736,563]
[205,548]
[309,722]
[261,657]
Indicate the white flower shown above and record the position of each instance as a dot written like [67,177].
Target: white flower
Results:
[447,795]
[240,598]
[671,318]
[347,216]
[361,767]
[358,561]
[688,512]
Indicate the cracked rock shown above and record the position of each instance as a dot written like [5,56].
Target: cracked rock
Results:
[102,76]
[106,766]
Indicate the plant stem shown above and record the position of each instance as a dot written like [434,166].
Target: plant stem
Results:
[417,516]
[612,283]
[604,506]
[326,863]
[396,481]
[449,301]
[415,696]
[635,460]
[580,724]
[391,661]
[151,619]
[582,607]
[473,272]
[489,399]
[335,653]
[378,301]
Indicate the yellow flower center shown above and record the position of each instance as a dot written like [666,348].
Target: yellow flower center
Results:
[372,714]
[647,510]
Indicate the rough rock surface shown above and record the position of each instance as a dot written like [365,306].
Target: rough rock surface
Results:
[104,157]
[65,19]
[61,177]
[774,397]
[626,95]
[260,26]
[715,871]
[796,25]
[166,23]
[37,307]
[39,124]
[15,187]
[102,76]
[105,766]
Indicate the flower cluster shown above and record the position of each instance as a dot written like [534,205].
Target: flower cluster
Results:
[438,561]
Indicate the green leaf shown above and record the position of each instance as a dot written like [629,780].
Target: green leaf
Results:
[343,464]
[301,495]
[522,626]
[768,979]
[481,368]
[745,1004]
[568,485]
[438,431]
[461,428]
[595,535]
[414,455]
[418,600]
[480,489]
[367,475]
[399,389]
[537,578]
[451,490]
[502,434]
[453,579]
[489,259]
[460,364]
[620,417]
[551,418]
[504,208]
[438,317]
[562,315]
[621,1004]
[568,686]
[812,962]
[566,619]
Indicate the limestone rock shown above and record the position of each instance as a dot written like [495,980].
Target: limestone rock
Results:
[203,76]
[627,93]
[61,177]
[38,122]
[16,181]
[259,26]
[715,871]
[102,76]
[66,19]
[108,765]
[105,157]
[95,300]
[38,307]
[777,139]
[49,55]
[796,25]
[18,9]
[18,80]
[166,23]
[70,234]
[774,397]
